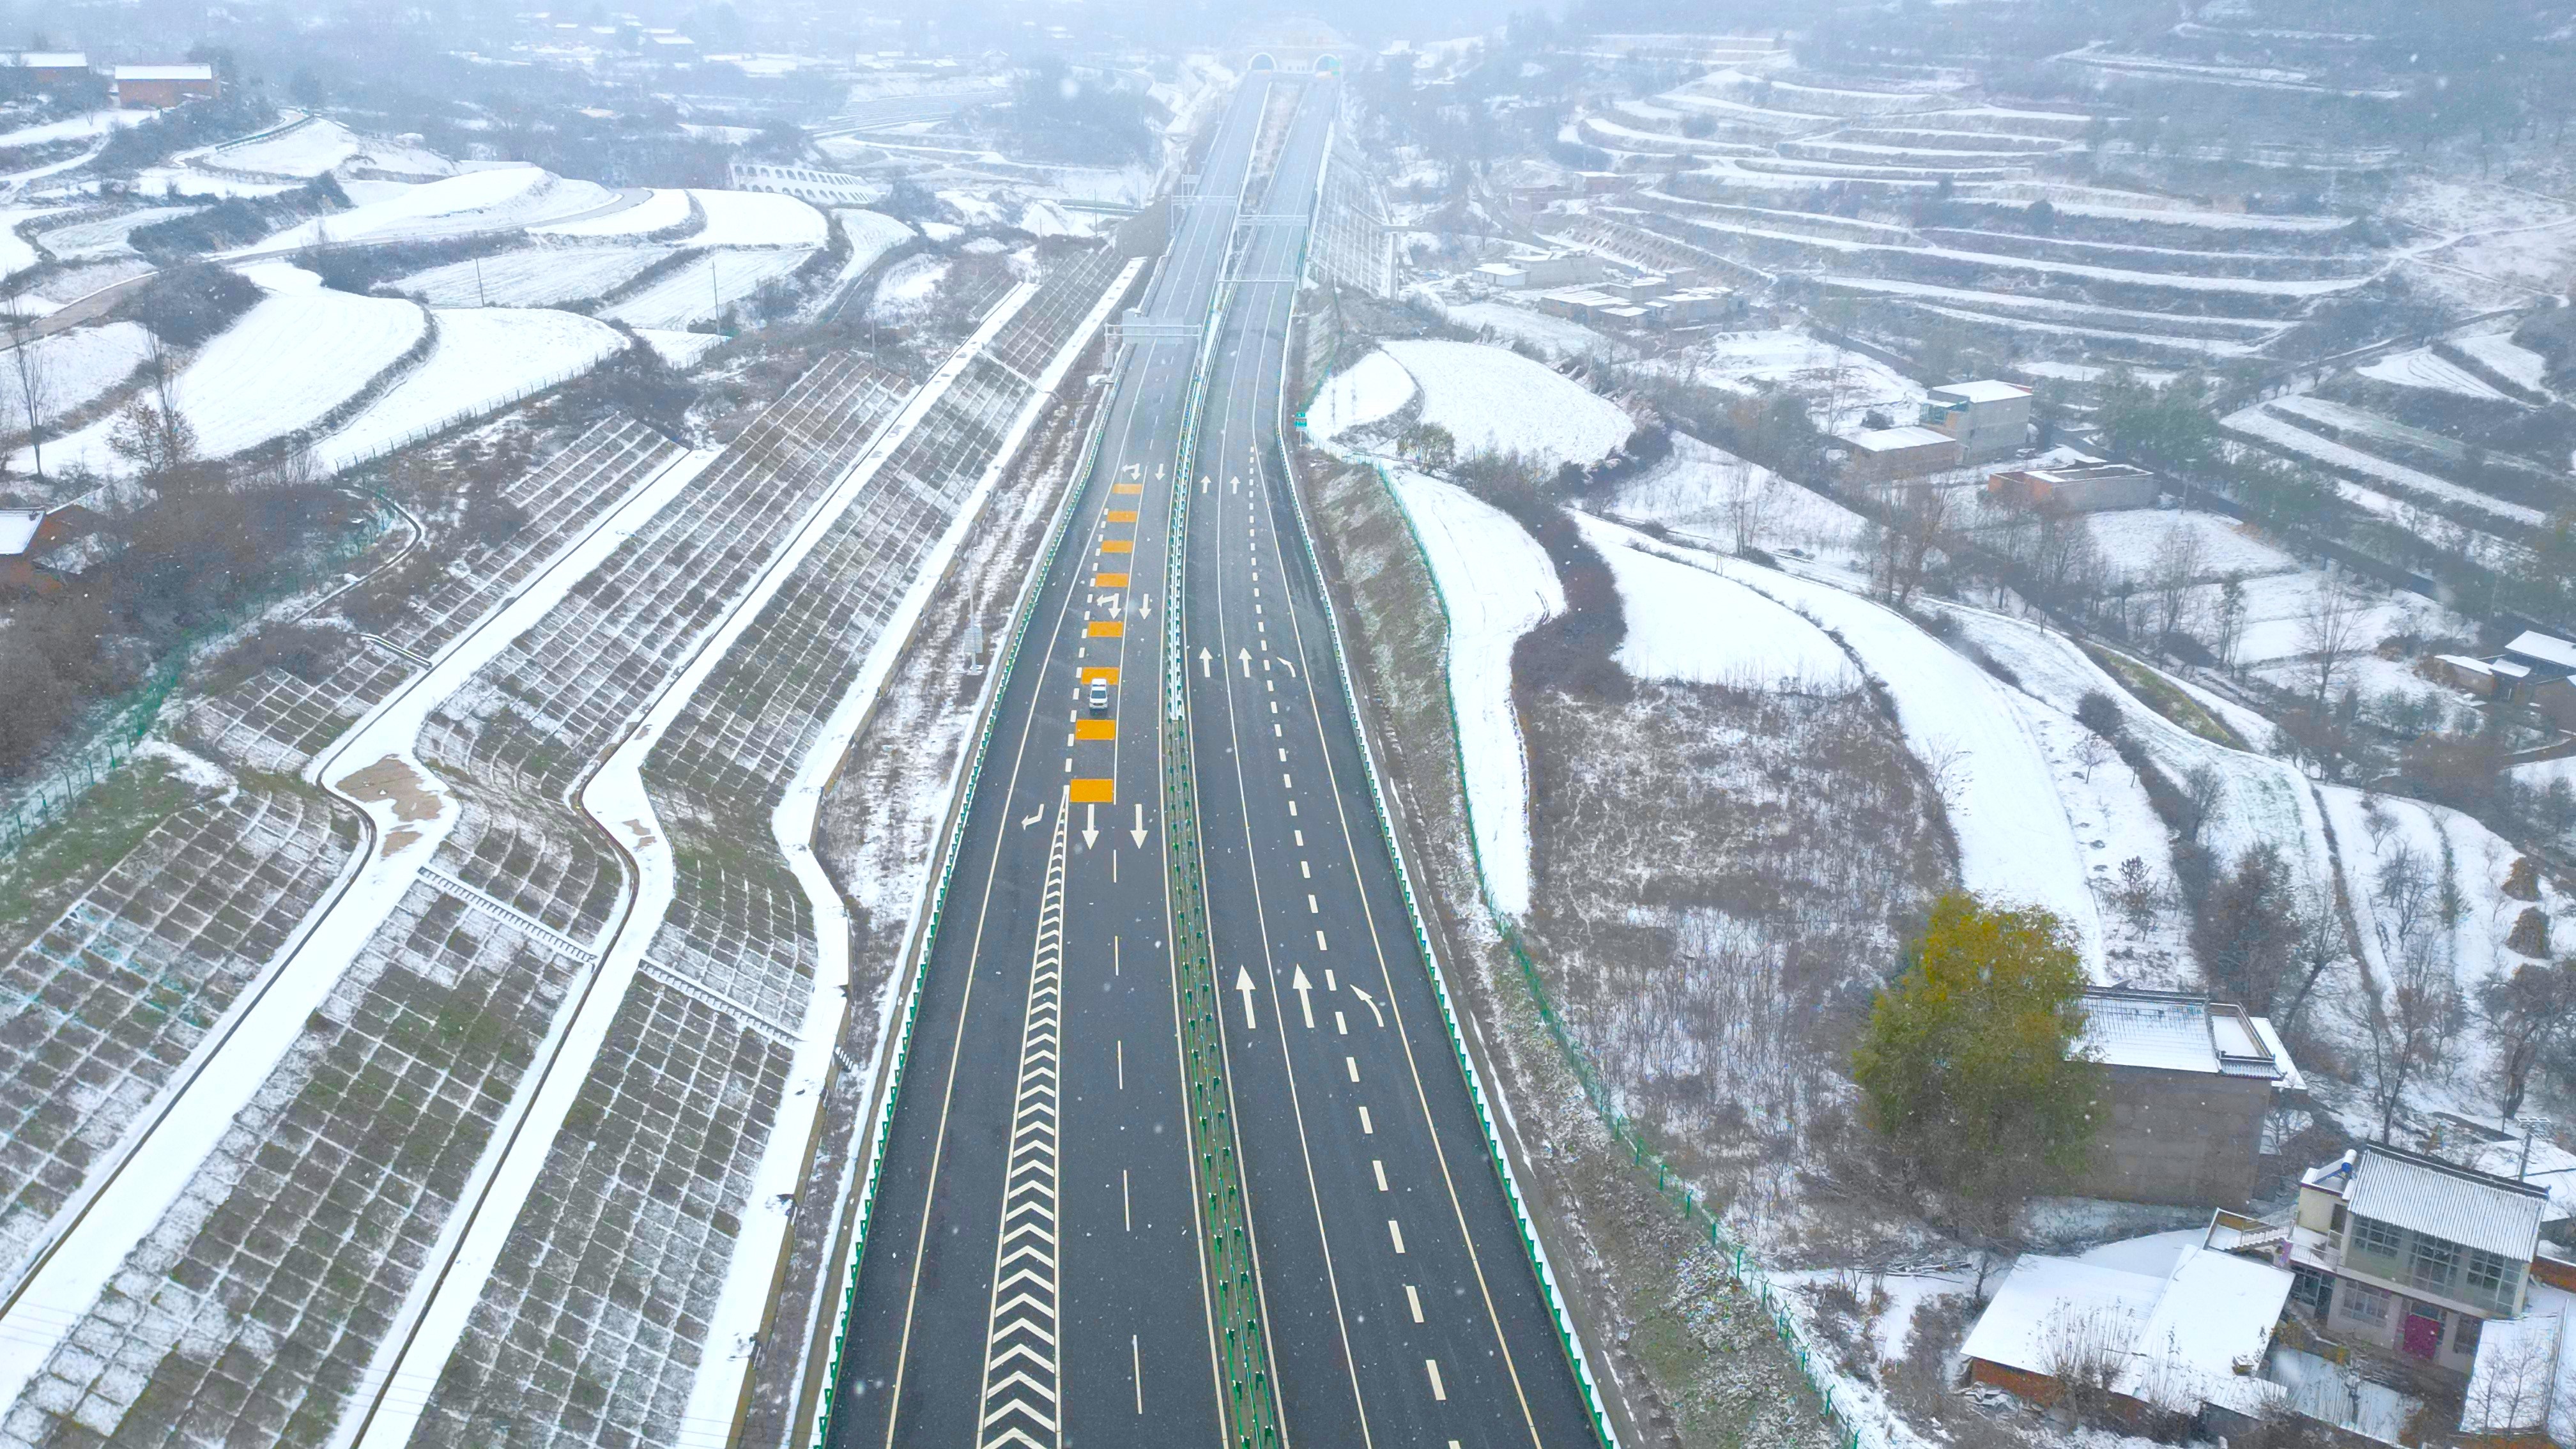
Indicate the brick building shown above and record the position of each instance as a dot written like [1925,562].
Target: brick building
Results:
[160,87]
[2189,1084]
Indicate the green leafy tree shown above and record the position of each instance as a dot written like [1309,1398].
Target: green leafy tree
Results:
[1968,1066]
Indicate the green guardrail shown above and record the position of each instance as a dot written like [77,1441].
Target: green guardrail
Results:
[879,1129]
[1252,1403]
[1643,1155]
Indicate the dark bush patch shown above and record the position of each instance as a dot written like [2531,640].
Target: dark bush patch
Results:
[236,221]
[186,305]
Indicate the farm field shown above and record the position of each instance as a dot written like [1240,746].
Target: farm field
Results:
[703,288]
[534,276]
[482,358]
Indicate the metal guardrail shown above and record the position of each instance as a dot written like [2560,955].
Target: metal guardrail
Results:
[1252,1407]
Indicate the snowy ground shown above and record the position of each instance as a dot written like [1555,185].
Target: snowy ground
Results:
[16,253]
[1839,387]
[680,349]
[872,234]
[77,128]
[704,288]
[1363,393]
[661,209]
[758,219]
[2511,360]
[477,201]
[907,287]
[540,276]
[87,239]
[1692,625]
[319,145]
[1694,491]
[287,363]
[1493,398]
[84,362]
[1556,336]
[1498,584]
[2420,368]
[483,357]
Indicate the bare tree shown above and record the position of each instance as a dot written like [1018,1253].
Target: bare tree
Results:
[2526,1013]
[2330,634]
[2402,1027]
[31,373]
[2509,1394]
[151,432]
[2321,941]
[2176,569]
[2230,621]
[2091,752]
[1917,523]
[2082,1348]
[1748,497]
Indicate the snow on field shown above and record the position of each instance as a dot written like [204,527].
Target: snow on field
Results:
[1689,624]
[477,201]
[2277,607]
[307,150]
[1498,585]
[758,219]
[1845,384]
[1555,336]
[16,253]
[167,181]
[542,276]
[908,286]
[2511,360]
[661,209]
[1693,490]
[77,128]
[2131,538]
[2262,801]
[2420,368]
[2539,776]
[2258,422]
[1364,392]
[872,234]
[680,349]
[84,362]
[2379,834]
[1493,398]
[105,237]
[2016,840]
[304,350]
[705,287]
[483,358]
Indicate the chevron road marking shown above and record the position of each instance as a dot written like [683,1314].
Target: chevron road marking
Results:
[1023,1363]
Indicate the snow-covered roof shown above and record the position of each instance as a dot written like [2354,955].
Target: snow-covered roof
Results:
[165,72]
[1889,440]
[2175,1032]
[2190,1336]
[2206,1335]
[2462,661]
[2524,1377]
[2547,649]
[1982,391]
[18,529]
[2454,1204]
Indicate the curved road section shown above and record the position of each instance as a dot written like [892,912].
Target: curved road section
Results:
[1033,1274]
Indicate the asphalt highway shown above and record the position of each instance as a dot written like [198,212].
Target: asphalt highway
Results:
[1075,1311]
[1032,1274]
[1402,1307]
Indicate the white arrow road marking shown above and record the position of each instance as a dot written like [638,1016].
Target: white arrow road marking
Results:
[1369,1002]
[1139,831]
[1034,819]
[1090,825]
[1111,603]
[1204,657]
[1245,655]
[1145,606]
[1291,668]
[1023,1364]
[1234,484]
[1305,999]
[1243,983]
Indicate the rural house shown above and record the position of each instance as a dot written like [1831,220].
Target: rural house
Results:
[2189,1082]
[2407,1252]
[2533,668]
[44,67]
[161,86]
[2152,1328]
[1990,419]
[1881,455]
[2085,487]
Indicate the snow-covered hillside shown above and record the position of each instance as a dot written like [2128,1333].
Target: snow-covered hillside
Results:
[1494,399]
[482,358]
